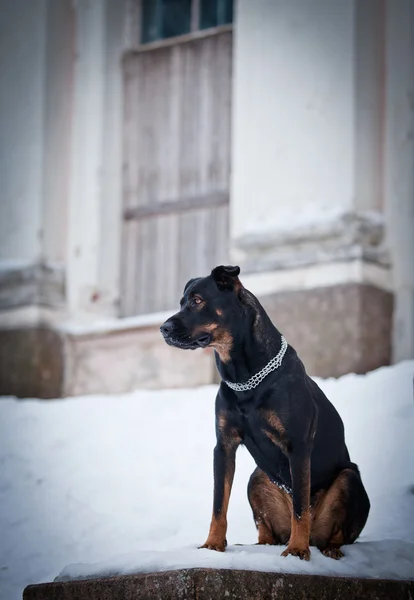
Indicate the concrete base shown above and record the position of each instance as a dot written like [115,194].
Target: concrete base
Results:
[31,363]
[47,363]
[120,361]
[338,329]
[335,330]
[210,584]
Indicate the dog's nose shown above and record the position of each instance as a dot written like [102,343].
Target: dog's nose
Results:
[166,328]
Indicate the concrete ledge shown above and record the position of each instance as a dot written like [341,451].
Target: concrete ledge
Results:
[31,363]
[337,329]
[40,284]
[119,361]
[337,238]
[40,362]
[211,584]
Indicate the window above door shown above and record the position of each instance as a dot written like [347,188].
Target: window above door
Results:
[163,19]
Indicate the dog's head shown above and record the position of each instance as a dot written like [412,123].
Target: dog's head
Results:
[209,307]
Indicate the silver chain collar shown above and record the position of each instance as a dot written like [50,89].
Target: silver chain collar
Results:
[254,381]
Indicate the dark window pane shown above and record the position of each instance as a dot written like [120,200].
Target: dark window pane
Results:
[227,12]
[208,13]
[151,13]
[176,17]
[215,12]
[164,19]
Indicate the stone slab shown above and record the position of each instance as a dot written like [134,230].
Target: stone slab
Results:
[215,584]
[122,361]
[31,363]
[338,329]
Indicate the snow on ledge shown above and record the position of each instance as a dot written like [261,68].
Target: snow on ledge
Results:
[113,325]
[392,559]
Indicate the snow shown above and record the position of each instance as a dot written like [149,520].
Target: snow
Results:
[84,480]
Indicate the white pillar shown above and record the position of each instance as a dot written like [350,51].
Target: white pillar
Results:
[111,215]
[293,113]
[22,75]
[95,210]
[400,168]
[58,104]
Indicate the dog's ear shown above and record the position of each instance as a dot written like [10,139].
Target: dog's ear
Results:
[190,282]
[227,278]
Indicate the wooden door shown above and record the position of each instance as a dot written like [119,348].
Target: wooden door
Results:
[176,168]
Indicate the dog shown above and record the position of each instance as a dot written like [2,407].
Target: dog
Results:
[305,490]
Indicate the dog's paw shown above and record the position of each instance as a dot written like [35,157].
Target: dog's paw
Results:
[302,553]
[215,544]
[335,553]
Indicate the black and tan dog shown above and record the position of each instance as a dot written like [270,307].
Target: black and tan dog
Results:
[305,490]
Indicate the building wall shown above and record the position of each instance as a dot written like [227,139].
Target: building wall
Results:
[322,193]
[59,64]
[399,171]
[293,120]
[96,161]
[22,76]
[309,134]
[61,158]
[36,63]
[309,209]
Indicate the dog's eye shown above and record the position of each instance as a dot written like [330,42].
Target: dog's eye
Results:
[197,300]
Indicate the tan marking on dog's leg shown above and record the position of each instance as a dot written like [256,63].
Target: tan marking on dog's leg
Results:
[300,524]
[299,537]
[230,436]
[271,508]
[329,515]
[218,528]
[265,536]
[276,432]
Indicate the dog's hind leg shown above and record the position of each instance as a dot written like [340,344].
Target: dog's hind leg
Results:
[271,508]
[339,515]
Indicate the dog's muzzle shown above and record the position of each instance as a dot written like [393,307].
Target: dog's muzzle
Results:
[175,335]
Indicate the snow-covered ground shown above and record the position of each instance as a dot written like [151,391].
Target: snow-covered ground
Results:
[87,479]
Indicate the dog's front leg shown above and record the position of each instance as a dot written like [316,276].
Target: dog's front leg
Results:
[300,522]
[224,465]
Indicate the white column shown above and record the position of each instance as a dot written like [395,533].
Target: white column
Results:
[84,219]
[111,215]
[22,75]
[58,104]
[370,76]
[95,210]
[400,168]
[293,113]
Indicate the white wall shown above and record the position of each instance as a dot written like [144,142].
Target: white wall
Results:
[370,105]
[58,110]
[95,205]
[36,62]
[22,77]
[323,123]
[400,169]
[111,217]
[86,156]
[61,143]
[293,116]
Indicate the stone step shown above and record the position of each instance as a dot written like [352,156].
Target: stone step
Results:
[215,584]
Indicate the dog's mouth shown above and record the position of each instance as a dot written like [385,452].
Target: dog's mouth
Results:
[186,344]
